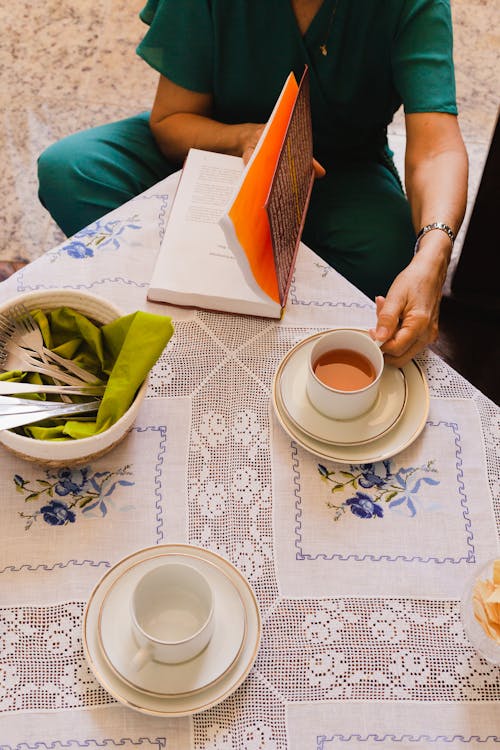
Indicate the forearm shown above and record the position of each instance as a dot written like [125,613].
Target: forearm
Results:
[180,131]
[436,185]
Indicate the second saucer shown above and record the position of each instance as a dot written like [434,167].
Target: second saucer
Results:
[156,678]
[291,378]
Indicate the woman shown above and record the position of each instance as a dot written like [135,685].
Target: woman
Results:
[222,64]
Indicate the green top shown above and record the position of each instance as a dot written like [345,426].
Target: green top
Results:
[381,53]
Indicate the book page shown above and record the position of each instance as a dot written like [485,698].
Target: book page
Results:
[195,267]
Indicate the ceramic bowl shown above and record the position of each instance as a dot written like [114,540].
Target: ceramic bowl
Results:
[71,452]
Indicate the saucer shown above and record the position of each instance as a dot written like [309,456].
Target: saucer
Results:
[177,705]
[119,646]
[291,378]
[403,434]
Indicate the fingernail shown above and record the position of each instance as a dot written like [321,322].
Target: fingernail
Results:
[382,333]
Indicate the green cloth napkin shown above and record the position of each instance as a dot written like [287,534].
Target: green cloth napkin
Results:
[120,353]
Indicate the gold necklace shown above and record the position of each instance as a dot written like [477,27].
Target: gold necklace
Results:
[323,47]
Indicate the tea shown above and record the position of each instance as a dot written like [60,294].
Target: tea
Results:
[344,370]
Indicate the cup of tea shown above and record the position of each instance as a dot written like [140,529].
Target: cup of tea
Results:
[172,614]
[344,370]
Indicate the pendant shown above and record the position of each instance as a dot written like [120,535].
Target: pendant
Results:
[323,49]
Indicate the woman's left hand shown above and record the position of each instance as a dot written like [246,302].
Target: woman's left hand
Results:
[407,318]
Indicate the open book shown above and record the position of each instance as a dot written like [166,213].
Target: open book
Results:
[234,231]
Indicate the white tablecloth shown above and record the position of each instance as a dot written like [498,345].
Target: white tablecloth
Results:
[362,642]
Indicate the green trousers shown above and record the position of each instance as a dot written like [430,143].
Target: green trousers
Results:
[358,220]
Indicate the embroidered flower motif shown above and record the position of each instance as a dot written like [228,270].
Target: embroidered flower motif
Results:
[98,235]
[363,506]
[9,678]
[83,491]
[396,490]
[369,477]
[76,249]
[212,500]
[322,627]
[246,485]
[258,737]
[19,482]
[218,738]
[247,431]
[386,627]
[246,427]
[213,428]
[473,667]
[57,513]
[409,491]
[58,637]
[324,669]
[249,560]
[70,481]
[411,668]
[8,642]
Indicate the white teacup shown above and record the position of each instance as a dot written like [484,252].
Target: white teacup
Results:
[354,378]
[172,614]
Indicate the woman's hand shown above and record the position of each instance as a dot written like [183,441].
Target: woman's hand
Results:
[250,139]
[407,318]
[436,186]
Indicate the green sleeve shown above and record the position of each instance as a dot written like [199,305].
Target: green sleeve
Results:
[178,43]
[423,57]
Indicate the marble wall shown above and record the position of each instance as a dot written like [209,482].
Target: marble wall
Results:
[67,65]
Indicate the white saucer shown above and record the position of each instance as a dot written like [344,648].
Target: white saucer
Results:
[178,705]
[291,378]
[119,646]
[408,428]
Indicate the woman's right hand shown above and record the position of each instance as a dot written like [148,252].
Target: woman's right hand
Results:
[251,135]
[249,139]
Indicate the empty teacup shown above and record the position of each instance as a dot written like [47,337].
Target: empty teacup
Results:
[344,371]
[172,614]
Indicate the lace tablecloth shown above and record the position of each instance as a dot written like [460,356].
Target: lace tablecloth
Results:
[362,642]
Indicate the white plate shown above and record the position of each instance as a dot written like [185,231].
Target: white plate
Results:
[291,378]
[180,705]
[407,429]
[119,646]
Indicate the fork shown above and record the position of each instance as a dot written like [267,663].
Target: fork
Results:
[10,328]
[16,358]
[31,338]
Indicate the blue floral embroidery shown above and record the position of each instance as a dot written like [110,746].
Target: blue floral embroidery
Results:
[57,513]
[77,249]
[101,234]
[82,490]
[364,507]
[395,490]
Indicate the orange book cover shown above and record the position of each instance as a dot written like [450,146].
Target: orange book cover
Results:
[233,230]
[267,215]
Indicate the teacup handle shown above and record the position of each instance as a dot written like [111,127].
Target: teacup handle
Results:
[140,658]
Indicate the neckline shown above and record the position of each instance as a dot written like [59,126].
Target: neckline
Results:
[325,7]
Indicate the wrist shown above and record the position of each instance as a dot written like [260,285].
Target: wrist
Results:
[435,227]
[433,256]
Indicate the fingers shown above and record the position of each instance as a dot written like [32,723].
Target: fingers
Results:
[247,153]
[388,315]
[407,356]
[404,330]
[319,170]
